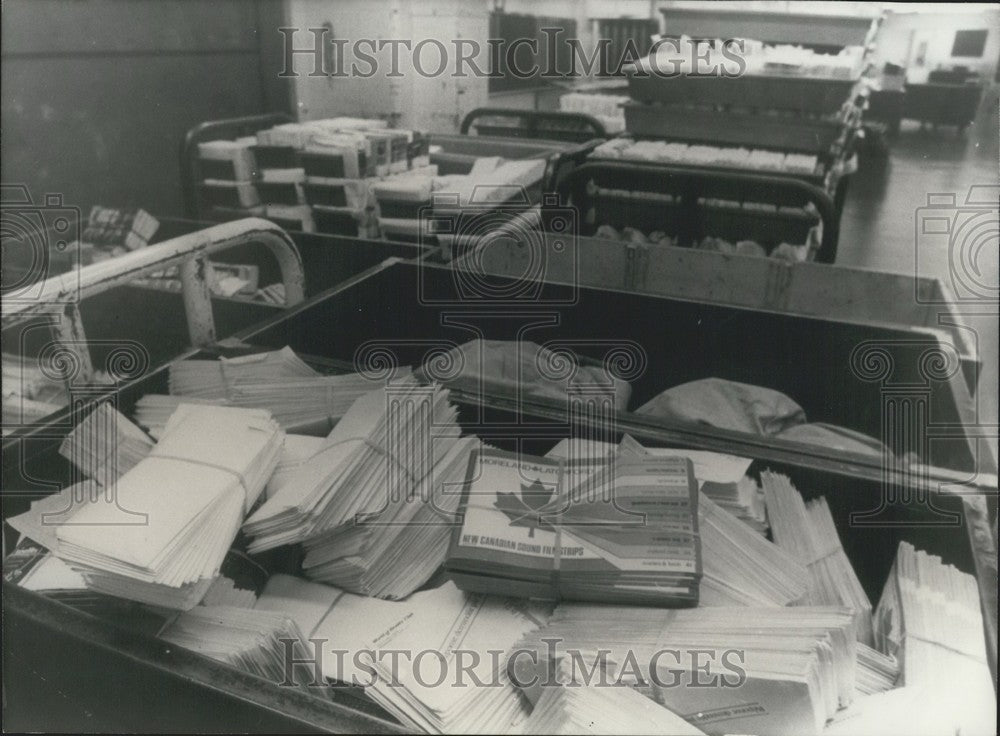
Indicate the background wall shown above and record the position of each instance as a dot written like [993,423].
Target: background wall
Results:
[903,32]
[97,94]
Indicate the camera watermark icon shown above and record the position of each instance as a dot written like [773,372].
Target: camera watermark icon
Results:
[489,231]
[33,236]
[968,231]
[915,403]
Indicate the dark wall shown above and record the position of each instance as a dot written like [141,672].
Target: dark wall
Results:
[97,94]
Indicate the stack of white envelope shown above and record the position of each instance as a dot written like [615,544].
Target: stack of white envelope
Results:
[308,405]
[739,566]
[298,448]
[807,531]
[911,710]
[379,451]
[579,708]
[929,617]
[247,639]
[434,661]
[774,671]
[877,672]
[721,477]
[212,379]
[105,445]
[163,536]
[153,411]
[393,550]
[299,398]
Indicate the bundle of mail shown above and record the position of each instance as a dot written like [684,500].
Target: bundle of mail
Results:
[767,671]
[375,503]
[542,528]
[929,618]
[251,640]
[392,551]
[105,445]
[442,677]
[578,708]
[807,531]
[300,399]
[159,533]
[722,478]
[674,611]
[311,176]
[739,566]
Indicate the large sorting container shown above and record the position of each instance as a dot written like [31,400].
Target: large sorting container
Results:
[420,309]
[838,293]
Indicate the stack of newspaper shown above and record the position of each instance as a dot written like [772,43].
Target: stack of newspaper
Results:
[392,551]
[379,451]
[162,537]
[434,661]
[807,531]
[625,529]
[724,670]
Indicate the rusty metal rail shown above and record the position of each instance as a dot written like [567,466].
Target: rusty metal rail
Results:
[59,297]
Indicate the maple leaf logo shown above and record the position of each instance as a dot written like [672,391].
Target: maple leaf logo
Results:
[524,510]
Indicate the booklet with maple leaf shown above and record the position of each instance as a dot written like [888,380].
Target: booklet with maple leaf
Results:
[624,529]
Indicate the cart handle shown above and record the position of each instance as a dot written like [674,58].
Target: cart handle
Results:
[529,121]
[211,130]
[60,296]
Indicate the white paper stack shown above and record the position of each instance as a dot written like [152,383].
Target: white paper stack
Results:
[786,670]
[432,631]
[212,379]
[307,405]
[903,711]
[153,411]
[721,477]
[583,709]
[930,618]
[394,550]
[739,566]
[297,449]
[877,672]
[223,592]
[194,489]
[807,531]
[299,399]
[105,445]
[381,449]
[235,154]
[245,638]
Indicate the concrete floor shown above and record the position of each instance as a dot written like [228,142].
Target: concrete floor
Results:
[878,227]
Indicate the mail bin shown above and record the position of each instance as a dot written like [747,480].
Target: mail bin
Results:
[409,310]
